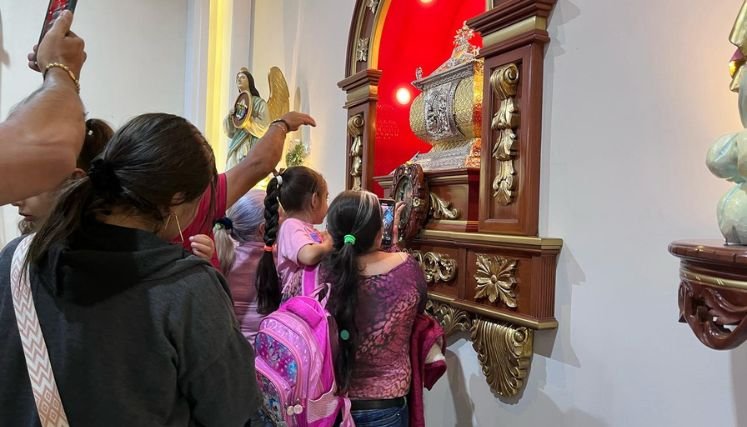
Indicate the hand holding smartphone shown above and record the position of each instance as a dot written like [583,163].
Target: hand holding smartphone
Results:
[54,9]
[387,218]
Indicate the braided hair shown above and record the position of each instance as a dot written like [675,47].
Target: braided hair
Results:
[292,190]
[353,223]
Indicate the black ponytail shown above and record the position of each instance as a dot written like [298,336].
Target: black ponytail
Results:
[353,222]
[150,148]
[267,283]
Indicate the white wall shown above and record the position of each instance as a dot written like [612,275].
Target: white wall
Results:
[635,93]
[307,40]
[136,60]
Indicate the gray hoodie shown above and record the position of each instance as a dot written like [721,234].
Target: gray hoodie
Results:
[139,332]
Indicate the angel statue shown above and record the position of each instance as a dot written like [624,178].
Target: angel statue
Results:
[727,158]
[250,116]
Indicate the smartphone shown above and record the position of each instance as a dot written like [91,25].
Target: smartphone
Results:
[387,217]
[54,9]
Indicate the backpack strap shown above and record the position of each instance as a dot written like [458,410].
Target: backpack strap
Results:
[47,397]
[308,280]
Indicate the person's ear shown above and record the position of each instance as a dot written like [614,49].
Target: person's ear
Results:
[78,173]
[261,229]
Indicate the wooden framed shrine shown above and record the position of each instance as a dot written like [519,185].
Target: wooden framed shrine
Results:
[458,103]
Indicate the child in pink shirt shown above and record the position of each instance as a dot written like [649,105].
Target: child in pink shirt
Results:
[302,194]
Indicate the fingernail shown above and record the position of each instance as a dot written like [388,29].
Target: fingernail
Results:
[191,238]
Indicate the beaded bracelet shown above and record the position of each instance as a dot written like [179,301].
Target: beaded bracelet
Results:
[66,68]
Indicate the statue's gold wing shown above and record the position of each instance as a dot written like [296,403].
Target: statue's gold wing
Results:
[279,102]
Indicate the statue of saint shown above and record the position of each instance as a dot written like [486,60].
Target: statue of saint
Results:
[250,116]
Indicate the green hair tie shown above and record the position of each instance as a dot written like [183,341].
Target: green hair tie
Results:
[349,239]
[344,335]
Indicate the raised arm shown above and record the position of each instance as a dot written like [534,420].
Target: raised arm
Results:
[40,141]
[263,157]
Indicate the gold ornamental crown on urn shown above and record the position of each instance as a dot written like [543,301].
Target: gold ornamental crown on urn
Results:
[448,112]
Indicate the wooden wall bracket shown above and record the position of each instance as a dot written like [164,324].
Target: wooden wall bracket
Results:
[713,291]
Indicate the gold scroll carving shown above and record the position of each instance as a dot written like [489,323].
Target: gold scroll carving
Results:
[504,351]
[504,82]
[496,279]
[436,267]
[441,209]
[355,129]
[505,354]
[451,319]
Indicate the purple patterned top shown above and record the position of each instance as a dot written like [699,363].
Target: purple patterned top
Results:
[241,281]
[387,306]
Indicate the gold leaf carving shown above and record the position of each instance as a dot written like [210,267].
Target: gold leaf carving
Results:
[355,129]
[362,50]
[505,354]
[441,209]
[373,5]
[451,319]
[496,279]
[505,81]
[436,267]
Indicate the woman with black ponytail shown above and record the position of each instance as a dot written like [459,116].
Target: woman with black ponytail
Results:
[138,331]
[302,194]
[374,298]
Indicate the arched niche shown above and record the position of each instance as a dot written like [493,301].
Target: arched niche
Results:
[489,273]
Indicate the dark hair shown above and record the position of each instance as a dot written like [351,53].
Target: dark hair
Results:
[98,133]
[145,164]
[355,213]
[299,184]
[252,87]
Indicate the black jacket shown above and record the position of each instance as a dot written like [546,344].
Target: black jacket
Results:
[139,332]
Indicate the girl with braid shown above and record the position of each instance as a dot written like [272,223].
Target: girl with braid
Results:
[374,298]
[302,194]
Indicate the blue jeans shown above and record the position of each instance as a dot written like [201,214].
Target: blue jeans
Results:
[396,416]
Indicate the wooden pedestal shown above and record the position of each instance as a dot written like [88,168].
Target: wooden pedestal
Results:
[713,291]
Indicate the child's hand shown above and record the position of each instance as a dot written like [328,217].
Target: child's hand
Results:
[202,246]
[327,242]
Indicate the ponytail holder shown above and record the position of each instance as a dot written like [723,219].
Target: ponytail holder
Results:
[344,335]
[279,178]
[104,178]
[267,248]
[225,223]
[349,239]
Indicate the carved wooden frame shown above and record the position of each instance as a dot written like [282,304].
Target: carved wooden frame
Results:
[492,277]
[418,200]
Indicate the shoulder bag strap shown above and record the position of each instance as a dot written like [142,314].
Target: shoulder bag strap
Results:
[43,384]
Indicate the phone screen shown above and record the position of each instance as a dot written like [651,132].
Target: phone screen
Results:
[387,217]
[53,11]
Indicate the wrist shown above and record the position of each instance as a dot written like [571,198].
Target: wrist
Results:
[282,124]
[57,73]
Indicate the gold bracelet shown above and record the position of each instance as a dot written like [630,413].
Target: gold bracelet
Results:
[66,68]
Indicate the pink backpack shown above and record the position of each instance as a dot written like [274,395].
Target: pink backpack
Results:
[294,363]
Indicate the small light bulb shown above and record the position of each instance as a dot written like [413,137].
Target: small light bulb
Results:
[403,96]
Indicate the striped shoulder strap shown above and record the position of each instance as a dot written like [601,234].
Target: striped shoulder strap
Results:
[43,384]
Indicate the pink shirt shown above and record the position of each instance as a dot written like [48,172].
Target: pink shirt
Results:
[203,221]
[241,281]
[293,235]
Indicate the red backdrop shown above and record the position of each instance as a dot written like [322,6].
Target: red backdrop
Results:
[415,34]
